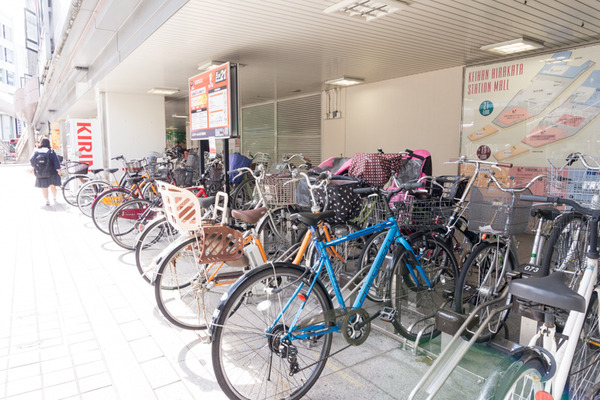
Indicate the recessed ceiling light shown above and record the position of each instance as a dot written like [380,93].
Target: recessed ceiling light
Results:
[163,91]
[366,10]
[345,81]
[514,46]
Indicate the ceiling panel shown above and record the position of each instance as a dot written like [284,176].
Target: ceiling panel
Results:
[290,46]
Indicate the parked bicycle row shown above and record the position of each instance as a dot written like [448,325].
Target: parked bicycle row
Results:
[304,252]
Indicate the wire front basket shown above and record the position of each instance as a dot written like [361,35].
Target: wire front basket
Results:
[77,168]
[577,178]
[494,211]
[422,213]
[279,190]
[134,167]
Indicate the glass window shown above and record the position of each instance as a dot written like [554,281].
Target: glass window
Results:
[2,74]
[7,32]
[8,56]
[10,78]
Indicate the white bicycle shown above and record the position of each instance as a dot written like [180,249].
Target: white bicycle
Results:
[567,364]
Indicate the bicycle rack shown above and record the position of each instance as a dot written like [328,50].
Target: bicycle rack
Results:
[449,358]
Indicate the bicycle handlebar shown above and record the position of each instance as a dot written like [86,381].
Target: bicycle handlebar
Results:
[515,189]
[464,160]
[559,200]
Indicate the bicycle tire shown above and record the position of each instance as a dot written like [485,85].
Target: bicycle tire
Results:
[520,380]
[249,363]
[105,204]
[71,186]
[474,284]
[408,293]
[128,221]
[593,393]
[187,292]
[276,232]
[242,197]
[568,231]
[153,240]
[88,193]
[585,366]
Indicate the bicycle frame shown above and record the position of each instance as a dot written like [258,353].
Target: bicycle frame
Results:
[392,235]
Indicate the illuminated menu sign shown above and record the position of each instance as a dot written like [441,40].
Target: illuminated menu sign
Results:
[210,115]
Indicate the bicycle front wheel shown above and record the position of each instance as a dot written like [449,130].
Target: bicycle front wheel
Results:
[87,193]
[483,278]
[71,187]
[520,381]
[416,301]
[253,352]
[243,197]
[154,239]
[105,204]
[128,221]
[188,292]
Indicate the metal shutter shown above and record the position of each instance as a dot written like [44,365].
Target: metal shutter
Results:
[258,129]
[299,127]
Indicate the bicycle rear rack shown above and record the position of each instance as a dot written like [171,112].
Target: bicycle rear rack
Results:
[455,350]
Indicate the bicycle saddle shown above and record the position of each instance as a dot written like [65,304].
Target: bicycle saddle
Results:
[249,216]
[96,170]
[111,170]
[206,202]
[312,219]
[549,290]
[549,213]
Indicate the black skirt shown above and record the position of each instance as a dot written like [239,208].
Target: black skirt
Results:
[45,182]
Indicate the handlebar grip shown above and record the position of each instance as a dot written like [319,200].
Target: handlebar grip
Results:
[368,190]
[413,185]
[539,199]
[323,175]
[117,157]
[503,164]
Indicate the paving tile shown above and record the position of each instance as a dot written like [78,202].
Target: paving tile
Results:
[58,377]
[87,357]
[134,330]
[125,314]
[159,372]
[23,385]
[81,337]
[25,358]
[89,369]
[174,391]
[116,301]
[94,382]
[145,349]
[61,391]
[83,347]
[100,394]
[56,364]
[30,395]
[25,371]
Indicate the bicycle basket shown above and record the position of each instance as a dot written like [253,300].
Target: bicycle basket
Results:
[134,166]
[77,168]
[576,181]
[502,212]
[220,243]
[183,176]
[279,190]
[422,213]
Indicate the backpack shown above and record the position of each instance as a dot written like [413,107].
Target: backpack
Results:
[42,165]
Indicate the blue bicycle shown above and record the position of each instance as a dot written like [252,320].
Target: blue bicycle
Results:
[272,332]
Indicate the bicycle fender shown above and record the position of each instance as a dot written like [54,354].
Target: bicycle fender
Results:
[158,260]
[527,353]
[248,275]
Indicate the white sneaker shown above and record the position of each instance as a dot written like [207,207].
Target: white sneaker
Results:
[47,202]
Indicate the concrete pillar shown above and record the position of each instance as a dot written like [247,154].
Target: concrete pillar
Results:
[133,125]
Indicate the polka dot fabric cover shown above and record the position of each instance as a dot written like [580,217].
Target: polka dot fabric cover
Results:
[375,169]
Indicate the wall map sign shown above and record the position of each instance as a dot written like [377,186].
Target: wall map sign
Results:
[534,109]
[210,109]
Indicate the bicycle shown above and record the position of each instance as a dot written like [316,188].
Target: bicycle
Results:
[271,335]
[569,359]
[494,211]
[75,174]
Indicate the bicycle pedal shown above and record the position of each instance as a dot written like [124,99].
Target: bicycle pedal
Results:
[387,314]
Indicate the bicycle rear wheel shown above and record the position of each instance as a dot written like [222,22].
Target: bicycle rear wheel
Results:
[87,193]
[128,221]
[154,239]
[187,292]
[520,381]
[254,359]
[416,302]
[243,197]
[105,204]
[71,187]
[276,233]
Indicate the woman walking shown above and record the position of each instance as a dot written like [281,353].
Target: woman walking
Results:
[46,168]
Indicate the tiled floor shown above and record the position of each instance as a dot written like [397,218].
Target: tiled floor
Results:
[78,322]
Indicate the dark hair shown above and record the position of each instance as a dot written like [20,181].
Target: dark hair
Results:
[45,143]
